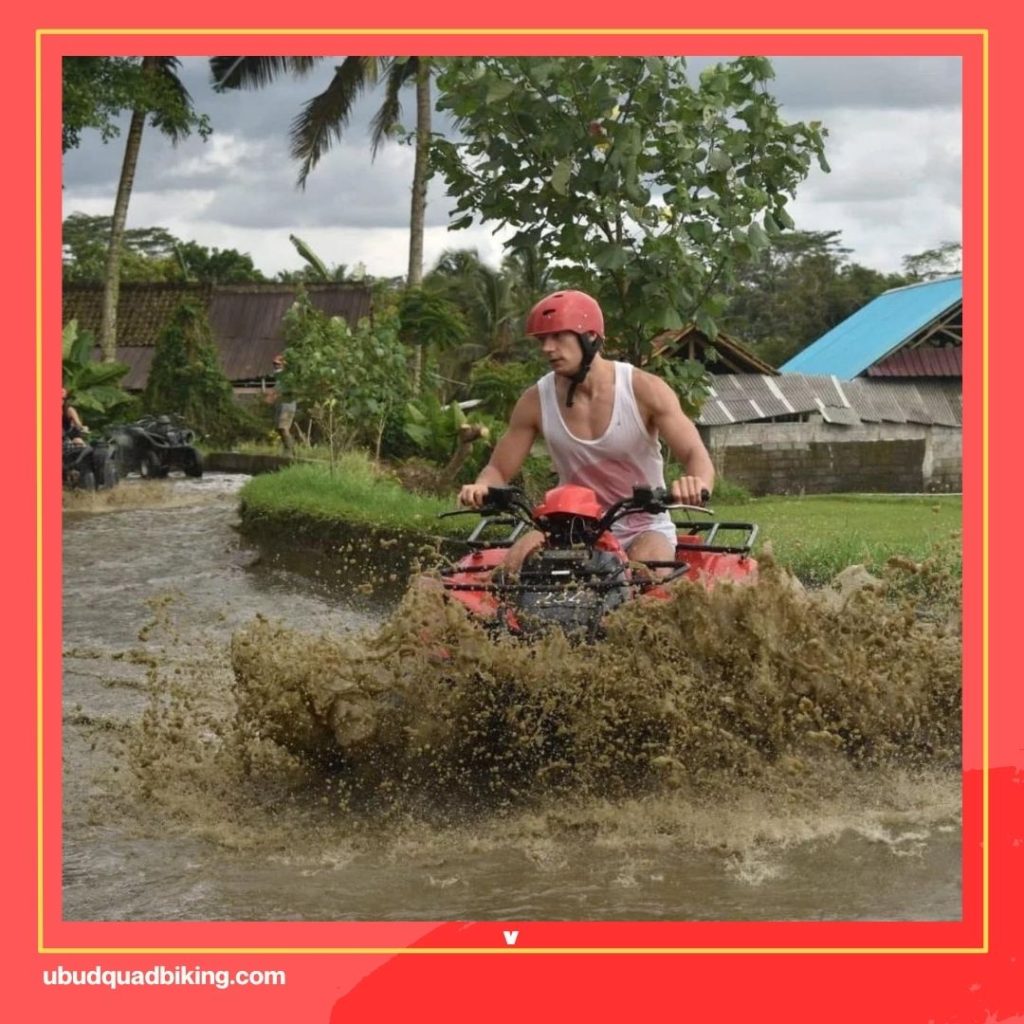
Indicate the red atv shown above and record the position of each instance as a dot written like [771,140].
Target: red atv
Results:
[581,572]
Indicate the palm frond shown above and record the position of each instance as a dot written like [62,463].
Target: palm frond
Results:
[173,122]
[255,72]
[324,118]
[400,72]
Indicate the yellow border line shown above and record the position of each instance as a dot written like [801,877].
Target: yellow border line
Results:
[506,951]
[985,839]
[39,490]
[518,32]
[499,950]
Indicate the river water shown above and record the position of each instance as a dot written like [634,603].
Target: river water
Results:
[280,735]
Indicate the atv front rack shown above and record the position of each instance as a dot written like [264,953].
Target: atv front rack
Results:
[708,537]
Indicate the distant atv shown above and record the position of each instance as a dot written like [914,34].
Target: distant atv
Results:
[88,467]
[153,446]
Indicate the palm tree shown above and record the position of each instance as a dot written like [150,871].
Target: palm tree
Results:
[161,96]
[495,301]
[323,120]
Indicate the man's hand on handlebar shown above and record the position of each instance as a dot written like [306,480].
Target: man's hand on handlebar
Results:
[473,495]
[690,490]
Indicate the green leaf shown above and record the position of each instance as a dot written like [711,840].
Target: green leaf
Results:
[609,256]
[706,324]
[757,238]
[669,318]
[560,176]
[718,160]
[499,90]
[699,231]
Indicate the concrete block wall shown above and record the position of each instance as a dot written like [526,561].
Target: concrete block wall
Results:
[823,458]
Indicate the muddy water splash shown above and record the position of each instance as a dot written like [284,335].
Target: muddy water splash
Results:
[758,686]
[246,743]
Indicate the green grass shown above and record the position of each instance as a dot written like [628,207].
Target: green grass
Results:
[814,536]
[818,535]
[356,492]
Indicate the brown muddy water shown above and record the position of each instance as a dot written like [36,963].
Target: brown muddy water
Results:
[282,735]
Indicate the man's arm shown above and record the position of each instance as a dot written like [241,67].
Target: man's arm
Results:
[661,408]
[510,452]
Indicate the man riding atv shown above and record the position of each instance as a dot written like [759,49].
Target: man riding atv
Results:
[602,422]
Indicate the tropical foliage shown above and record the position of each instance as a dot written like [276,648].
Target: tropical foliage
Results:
[323,119]
[796,290]
[640,187]
[353,383]
[945,258]
[148,254]
[93,388]
[96,90]
[186,378]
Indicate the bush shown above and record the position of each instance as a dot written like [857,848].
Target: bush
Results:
[499,385]
[186,379]
[353,384]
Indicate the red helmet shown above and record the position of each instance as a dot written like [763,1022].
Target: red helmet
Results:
[566,311]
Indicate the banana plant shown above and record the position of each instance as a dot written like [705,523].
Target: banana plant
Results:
[317,267]
[93,387]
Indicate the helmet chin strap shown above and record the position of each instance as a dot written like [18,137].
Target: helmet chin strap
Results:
[589,343]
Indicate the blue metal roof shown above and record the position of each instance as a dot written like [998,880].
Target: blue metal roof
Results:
[876,329]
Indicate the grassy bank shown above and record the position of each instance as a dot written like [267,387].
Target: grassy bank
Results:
[815,536]
[356,492]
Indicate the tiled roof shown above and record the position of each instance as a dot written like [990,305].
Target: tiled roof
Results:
[246,319]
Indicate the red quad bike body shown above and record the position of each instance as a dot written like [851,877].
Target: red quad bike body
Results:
[580,573]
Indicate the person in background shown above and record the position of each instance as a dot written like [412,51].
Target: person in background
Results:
[72,427]
[603,423]
[284,411]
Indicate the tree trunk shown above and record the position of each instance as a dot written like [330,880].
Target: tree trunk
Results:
[112,274]
[417,216]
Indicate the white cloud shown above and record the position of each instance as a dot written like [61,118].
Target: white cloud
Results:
[894,146]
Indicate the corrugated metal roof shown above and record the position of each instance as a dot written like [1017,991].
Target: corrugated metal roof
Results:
[799,391]
[247,324]
[923,361]
[943,402]
[877,329]
[715,413]
[838,414]
[862,399]
[748,398]
[137,358]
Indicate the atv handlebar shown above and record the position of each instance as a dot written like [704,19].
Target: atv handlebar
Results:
[512,500]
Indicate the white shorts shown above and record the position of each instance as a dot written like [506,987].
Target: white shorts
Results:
[628,528]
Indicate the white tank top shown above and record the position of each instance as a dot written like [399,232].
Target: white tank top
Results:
[624,455]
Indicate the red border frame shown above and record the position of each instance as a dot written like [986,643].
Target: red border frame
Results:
[980,947]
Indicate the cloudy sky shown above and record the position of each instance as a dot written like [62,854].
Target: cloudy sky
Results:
[894,147]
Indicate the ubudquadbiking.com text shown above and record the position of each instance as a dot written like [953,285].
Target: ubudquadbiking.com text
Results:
[160,975]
